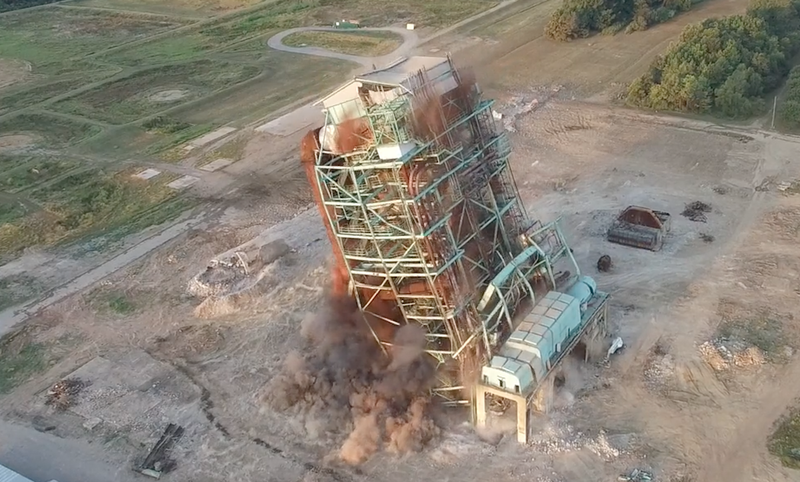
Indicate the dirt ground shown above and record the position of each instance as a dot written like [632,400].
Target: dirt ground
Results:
[708,321]
[658,406]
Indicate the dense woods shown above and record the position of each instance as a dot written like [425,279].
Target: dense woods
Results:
[724,65]
[790,108]
[8,5]
[581,18]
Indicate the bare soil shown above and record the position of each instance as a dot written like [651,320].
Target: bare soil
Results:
[13,71]
[659,406]
[16,141]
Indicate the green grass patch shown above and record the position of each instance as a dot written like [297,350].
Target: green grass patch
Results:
[87,203]
[116,302]
[10,211]
[18,365]
[47,130]
[170,140]
[47,38]
[152,91]
[36,171]
[785,441]
[171,49]
[18,289]
[365,43]
[21,98]
[184,8]
[233,150]
[286,78]
[765,333]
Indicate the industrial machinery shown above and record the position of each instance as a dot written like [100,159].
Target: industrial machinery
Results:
[412,180]
[640,227]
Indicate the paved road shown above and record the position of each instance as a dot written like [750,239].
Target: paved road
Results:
[42,457]
[410,40]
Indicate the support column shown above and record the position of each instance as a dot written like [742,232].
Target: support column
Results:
[522,420]
[480,406]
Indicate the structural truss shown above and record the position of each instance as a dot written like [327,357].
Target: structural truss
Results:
[415,182]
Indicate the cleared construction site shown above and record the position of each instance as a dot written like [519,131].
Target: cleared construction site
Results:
[439,272]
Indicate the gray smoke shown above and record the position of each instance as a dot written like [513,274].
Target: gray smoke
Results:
[343,384]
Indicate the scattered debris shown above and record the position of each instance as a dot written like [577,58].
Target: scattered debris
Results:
[640,227]
[615,347]
[696,211]
[604,263]
[157,461]
[62,394]
[721,354]
[637,475]
[708,238]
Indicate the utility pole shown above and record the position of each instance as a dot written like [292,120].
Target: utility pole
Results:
[774,108]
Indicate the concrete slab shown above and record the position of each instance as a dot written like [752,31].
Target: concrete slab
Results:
[183,182]
[288,124]
[216,165]
[212,136]
[147,174]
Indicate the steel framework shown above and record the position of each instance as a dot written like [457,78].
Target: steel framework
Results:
[426,215]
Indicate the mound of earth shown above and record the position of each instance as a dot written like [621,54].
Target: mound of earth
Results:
[168,95]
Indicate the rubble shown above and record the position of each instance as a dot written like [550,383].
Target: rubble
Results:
[637,475]
[62,394]
[722,354]
[696,211]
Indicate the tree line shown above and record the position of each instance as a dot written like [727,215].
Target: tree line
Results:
[790,108]
[581,18]
[724,65]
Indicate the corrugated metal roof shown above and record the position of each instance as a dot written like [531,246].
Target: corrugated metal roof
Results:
[8,475]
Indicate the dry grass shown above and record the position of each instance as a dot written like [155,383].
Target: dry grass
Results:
[364,43]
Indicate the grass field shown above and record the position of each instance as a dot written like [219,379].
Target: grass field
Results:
[364,43]
[48,130]
[50,38]
[151,91]
[181,8]
[90,86]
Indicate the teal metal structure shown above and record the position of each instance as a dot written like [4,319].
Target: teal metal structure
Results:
[424,210]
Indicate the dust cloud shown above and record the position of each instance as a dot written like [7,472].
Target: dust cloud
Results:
[343,384]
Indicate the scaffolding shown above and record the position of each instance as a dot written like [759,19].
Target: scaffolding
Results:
[414,181]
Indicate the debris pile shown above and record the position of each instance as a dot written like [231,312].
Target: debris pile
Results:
[228,278]
[696,211]
[637,475]
[604,264]
[721,354]
[158,461]
[62,394]
[659,370]
[344,385]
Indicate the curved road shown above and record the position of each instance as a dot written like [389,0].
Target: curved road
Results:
[410,40]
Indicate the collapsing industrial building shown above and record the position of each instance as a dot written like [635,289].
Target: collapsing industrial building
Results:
[413,182]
